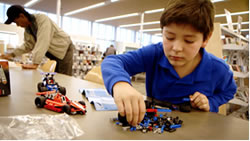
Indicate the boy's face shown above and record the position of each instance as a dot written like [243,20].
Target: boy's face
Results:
[181,44]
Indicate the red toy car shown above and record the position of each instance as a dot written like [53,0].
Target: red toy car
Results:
[58,102]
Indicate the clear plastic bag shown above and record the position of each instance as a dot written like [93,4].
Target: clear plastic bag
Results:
[39,127]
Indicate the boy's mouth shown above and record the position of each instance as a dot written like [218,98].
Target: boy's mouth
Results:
[176,58]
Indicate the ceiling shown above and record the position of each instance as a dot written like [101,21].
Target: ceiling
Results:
[123,7]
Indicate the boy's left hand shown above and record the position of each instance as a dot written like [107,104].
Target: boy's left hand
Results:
[199,100]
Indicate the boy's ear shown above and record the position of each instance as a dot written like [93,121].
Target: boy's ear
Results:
[204,44]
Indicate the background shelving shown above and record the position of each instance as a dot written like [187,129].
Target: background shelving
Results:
[85,57]
[236,54]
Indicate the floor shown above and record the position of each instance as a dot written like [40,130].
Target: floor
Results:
[235,111]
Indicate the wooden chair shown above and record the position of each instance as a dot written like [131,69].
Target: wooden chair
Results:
[94,75]
[49,66]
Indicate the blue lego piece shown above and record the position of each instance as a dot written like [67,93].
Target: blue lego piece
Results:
[132,128]
[164,110]
[186,99]
[155,118]
[161,115]
[175,126]
[162,128]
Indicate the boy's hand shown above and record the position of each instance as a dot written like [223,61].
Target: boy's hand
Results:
[199,100]
[129,102]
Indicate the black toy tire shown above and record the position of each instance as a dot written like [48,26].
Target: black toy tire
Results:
[40,101]
[62,90]
[44,89]
[39,86]
[82,102]
[66,108]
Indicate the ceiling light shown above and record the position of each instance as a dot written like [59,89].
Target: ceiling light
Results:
[232,14]
[85,8]
[214,1]
[138,24]
[114,0]
[30,3]
[154,11]
[153,29]
[117,17]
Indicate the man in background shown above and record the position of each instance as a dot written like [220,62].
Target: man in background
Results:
[42,37]
[110,51]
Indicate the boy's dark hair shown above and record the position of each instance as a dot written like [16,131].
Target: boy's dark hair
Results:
[14,11]
[197,13]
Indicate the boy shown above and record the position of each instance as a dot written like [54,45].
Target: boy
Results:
[177,68]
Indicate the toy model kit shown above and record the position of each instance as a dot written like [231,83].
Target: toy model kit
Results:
[55,101]
[4,78]
[49,84]
[152,122]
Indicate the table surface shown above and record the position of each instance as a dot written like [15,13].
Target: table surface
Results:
[97,124]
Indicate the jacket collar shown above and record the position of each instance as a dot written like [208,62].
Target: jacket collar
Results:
[201,73]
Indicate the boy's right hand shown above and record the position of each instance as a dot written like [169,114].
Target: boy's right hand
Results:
[129,102]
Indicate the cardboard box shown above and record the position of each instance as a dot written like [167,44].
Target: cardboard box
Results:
[4,78]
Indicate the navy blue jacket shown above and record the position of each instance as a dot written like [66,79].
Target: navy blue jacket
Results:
[212,77]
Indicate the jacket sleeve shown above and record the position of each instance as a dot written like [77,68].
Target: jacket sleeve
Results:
[224,92]
[44,35]
[120,67]
[26,47]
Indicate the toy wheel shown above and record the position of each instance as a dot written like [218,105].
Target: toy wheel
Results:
[81,112]
[62,90]
[39,86]
[66,109]
[44,89]
[40,101]
[82,102]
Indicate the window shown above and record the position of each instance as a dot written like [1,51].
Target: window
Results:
[2,20]
[76,26]
[102,31]
[146,38]
[125,35]
[53,17]
[156,39]
[104,44]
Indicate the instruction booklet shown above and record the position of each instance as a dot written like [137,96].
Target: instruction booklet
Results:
[100,98]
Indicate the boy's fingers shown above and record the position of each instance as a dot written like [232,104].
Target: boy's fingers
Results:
[135,112]
[120,107]
[128,109]
[142,110]
[194,96]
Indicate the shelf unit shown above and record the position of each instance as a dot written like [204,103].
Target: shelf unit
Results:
[236,54]
[85,57]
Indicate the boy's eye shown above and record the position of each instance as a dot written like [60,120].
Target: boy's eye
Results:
[189,42]
[168,38]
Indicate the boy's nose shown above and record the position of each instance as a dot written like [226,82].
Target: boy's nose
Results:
[178,46]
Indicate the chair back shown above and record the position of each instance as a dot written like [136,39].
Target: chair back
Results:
[94,75]
[49,66]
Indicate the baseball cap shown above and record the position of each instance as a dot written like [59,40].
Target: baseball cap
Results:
[13,12]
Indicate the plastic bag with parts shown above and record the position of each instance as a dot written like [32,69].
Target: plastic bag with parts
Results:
[39,127]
